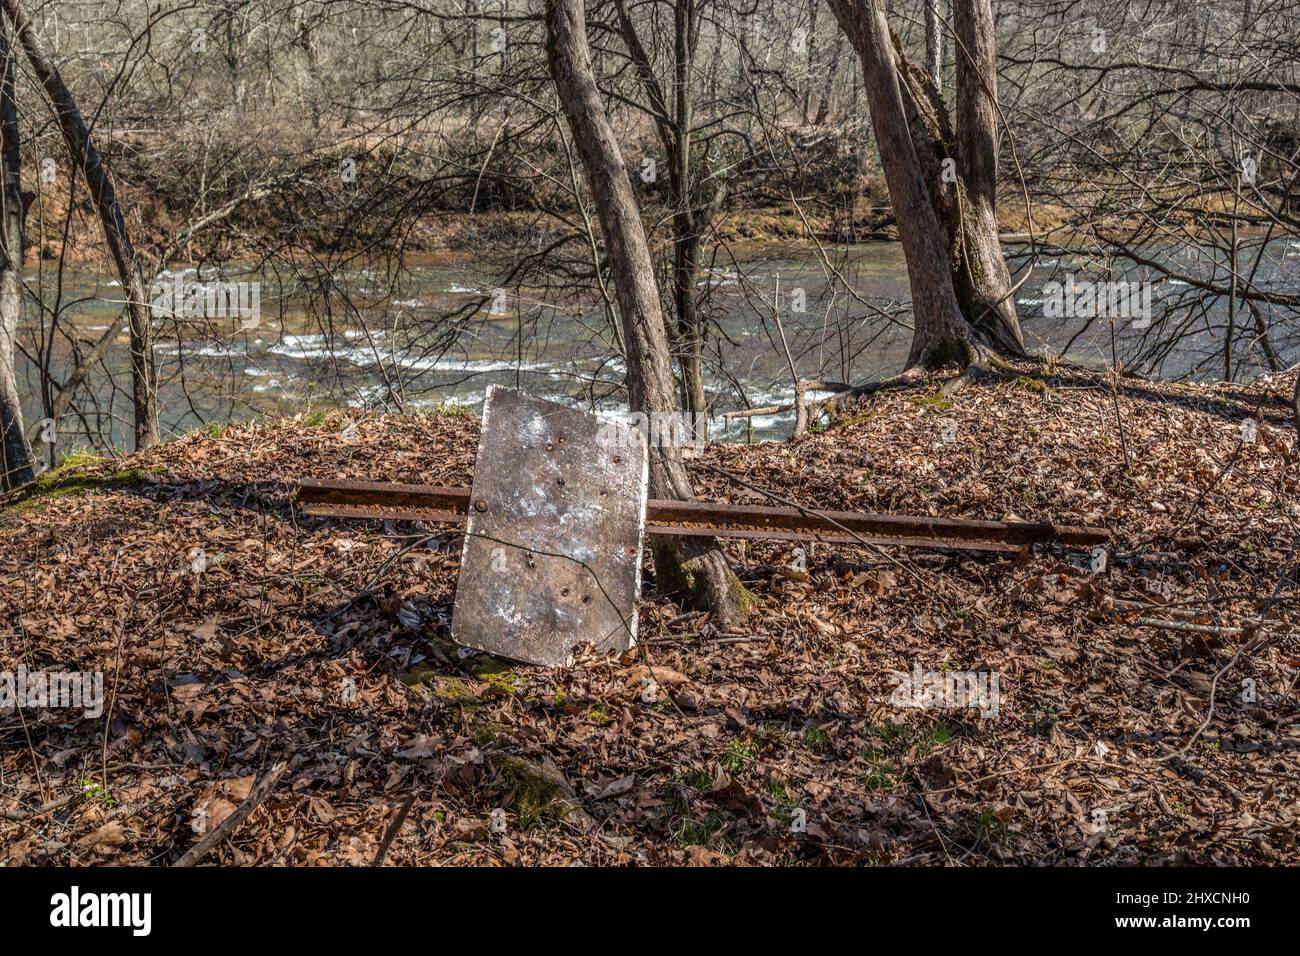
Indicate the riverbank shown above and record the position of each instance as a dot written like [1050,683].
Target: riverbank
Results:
[324,644]
[438,232]
[294,228]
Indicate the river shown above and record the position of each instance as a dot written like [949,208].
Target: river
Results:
[402,339]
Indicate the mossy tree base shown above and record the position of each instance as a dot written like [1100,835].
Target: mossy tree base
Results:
[688,574]
[957,352]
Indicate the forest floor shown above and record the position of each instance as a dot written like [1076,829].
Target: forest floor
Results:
[234,635]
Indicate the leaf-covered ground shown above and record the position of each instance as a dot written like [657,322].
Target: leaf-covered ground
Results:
[324,644]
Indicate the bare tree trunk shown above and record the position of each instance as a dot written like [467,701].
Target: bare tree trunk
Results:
[691,214]
[963,187]
[15,456]
[810,54]
[1262,336]
[934,44]
[940,332]
[686,238]
[690,335]
[86,159]
[990,303]
[1295,404]
[234,53]
[697,571]
[1232,294]
[824,104]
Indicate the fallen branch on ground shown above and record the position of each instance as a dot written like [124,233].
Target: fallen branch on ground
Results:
[261,790]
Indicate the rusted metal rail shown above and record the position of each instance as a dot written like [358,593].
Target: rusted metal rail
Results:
[432,503]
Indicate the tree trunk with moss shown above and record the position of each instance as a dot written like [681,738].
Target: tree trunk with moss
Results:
[15,455]
[984,282]
[957,170]
[692,569]
[960,166]
[940,331]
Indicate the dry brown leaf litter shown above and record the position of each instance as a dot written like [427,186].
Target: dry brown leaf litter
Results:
[1101,750]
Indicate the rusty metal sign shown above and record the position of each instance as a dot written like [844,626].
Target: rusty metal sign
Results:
[552,554]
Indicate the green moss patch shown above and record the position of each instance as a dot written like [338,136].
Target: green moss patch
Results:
[537,793]
[931,403]
[78,473]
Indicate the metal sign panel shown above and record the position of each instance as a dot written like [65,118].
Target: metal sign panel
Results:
[552,555]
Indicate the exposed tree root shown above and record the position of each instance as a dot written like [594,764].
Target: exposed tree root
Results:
[982,365]
[839,390]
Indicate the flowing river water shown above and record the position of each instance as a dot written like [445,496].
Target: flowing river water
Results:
[408,339]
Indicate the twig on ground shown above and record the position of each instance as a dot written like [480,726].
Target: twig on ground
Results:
[391,833]
[261,790]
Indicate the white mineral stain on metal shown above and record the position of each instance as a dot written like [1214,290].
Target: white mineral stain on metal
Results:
[532,430]
[521,612]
